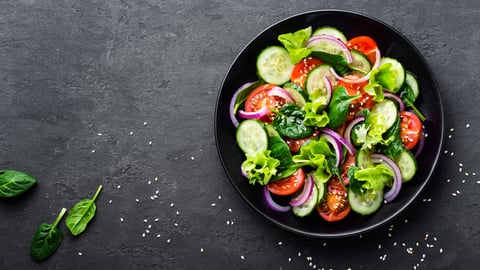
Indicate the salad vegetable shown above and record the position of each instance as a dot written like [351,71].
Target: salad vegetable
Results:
[330,125]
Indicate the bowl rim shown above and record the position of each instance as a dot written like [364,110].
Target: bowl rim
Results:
[415,194]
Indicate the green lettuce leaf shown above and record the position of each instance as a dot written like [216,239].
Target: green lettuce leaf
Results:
[295,43]
[260,168]
[315,115]
[372,178]
[316,154]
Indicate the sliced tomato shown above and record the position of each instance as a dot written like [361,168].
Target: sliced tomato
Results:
[364,44]
[347,163]
[335,207]
[363,102]
[295,144]
[410,129]
[259,98]
[302,68]
[289,185]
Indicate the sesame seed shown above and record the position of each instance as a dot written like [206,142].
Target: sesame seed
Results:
[137,200]
[192,158]
[449,136]
[280,243]
[156,220]
[156,179]
[149,182]
[80,253]
[149,226]
[99,134]
[175,224]
[150,143]
[145,220]
[121,219]
[169,240]
[460,164]
[158,235]
[242,257]
[467,125]
[147,231]
[131,133]
[93,151]
[452,129]
[230,210]
[143,234]
[110,201]
[145,123]
[171,205]
[213,204]
[441,250]
[454,194]
[177,213]
[228,222]
[219,197]
[451,154]
[119,186]
[201,249]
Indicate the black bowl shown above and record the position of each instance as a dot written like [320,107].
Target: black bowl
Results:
[391,43]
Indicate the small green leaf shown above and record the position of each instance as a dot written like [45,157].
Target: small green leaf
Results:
[289,122]
[81,214]
[13,183]
[338,107]
[295,43]
[47,239]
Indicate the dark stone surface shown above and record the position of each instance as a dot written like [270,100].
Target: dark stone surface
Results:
[122,93]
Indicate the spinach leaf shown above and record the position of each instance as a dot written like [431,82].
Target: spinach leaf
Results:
[338,107]
[280,150]
[47,239]
[395,147]
[289,122]
[337,61]
[81,214]
[13,183]
[295,43]
[409,98]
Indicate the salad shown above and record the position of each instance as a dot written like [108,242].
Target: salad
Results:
[330,126]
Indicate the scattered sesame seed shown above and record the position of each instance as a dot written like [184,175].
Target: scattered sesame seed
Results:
[394,244]
[149,182]
[93,151]
[460,164]
[478,182]
[451,154]
[192,158]
[119,186]
[230,210]
[446,151]
[454,194]
[150,143]
[158,235]
[448,180]
[201,249]
[213,204]
[289,259]
[169,240]
[463,181]
[171,205]
[242,257]
[379,246]
[156,219]
[121,219]
[175,224]
[406,221]
[110,201]
[449,136]
[299,254]
[137,200]
[219,197]
[441,250]
[143,234]
[228,222]
[147,231]
[145,220]
[458,191]
[145,123]
[149,226]
[99,134]
[156,179]
[80,253]
[467,125]
[459,169]
[452,129]
[280,243]
[131,133]
[177,213]
[324,244]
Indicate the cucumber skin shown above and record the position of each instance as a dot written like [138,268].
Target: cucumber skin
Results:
[406,154]
[278,79]
[240,136]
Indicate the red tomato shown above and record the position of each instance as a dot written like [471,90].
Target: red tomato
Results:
[302,68]
[410,129]
[363,102]
[258,98]
[364,44]
[289,185]
[347,163]
[295,144]
[335,207]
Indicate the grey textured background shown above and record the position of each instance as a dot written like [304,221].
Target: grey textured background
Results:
[122,93]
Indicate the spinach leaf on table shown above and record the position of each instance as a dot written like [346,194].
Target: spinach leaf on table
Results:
[13,183]
[81,214]
[47,239]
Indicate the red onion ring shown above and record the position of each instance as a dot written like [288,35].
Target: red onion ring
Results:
[420,146]
[342,140]
[397,175]
[337,147]
[233,118]
[348,129]
[303,196]
[272,204]
[361,79]
[339,43]
[280,92]
[396,98]
[256,114]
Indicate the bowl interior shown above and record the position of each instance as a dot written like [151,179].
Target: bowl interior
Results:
[391,43]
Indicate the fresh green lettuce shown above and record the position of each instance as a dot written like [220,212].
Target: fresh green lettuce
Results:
[295,43]
[260,168]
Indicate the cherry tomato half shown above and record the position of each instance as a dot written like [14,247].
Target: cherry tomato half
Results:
[335,207]
[364,44]
[289,185]
[295,144]
[258,98]
[302,68]
[410,129]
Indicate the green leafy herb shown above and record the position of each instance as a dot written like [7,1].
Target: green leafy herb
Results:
[260,168]
[13,183]
[316,154]
[47,239]
[409,98]
[315,115]
[338,107]
[337,61]
[280,150]
[295,43]
[395,147]
[289,122]
[371,178]
[81,214]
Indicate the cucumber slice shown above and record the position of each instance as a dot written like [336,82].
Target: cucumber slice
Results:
[397,70]
[295,92]
[315,82]
[274,65]
[360,65]
[407,164]
[362,159]
[367,203]
[307,208]
[387,111]
[411,81]
[331,31]
[252,137]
